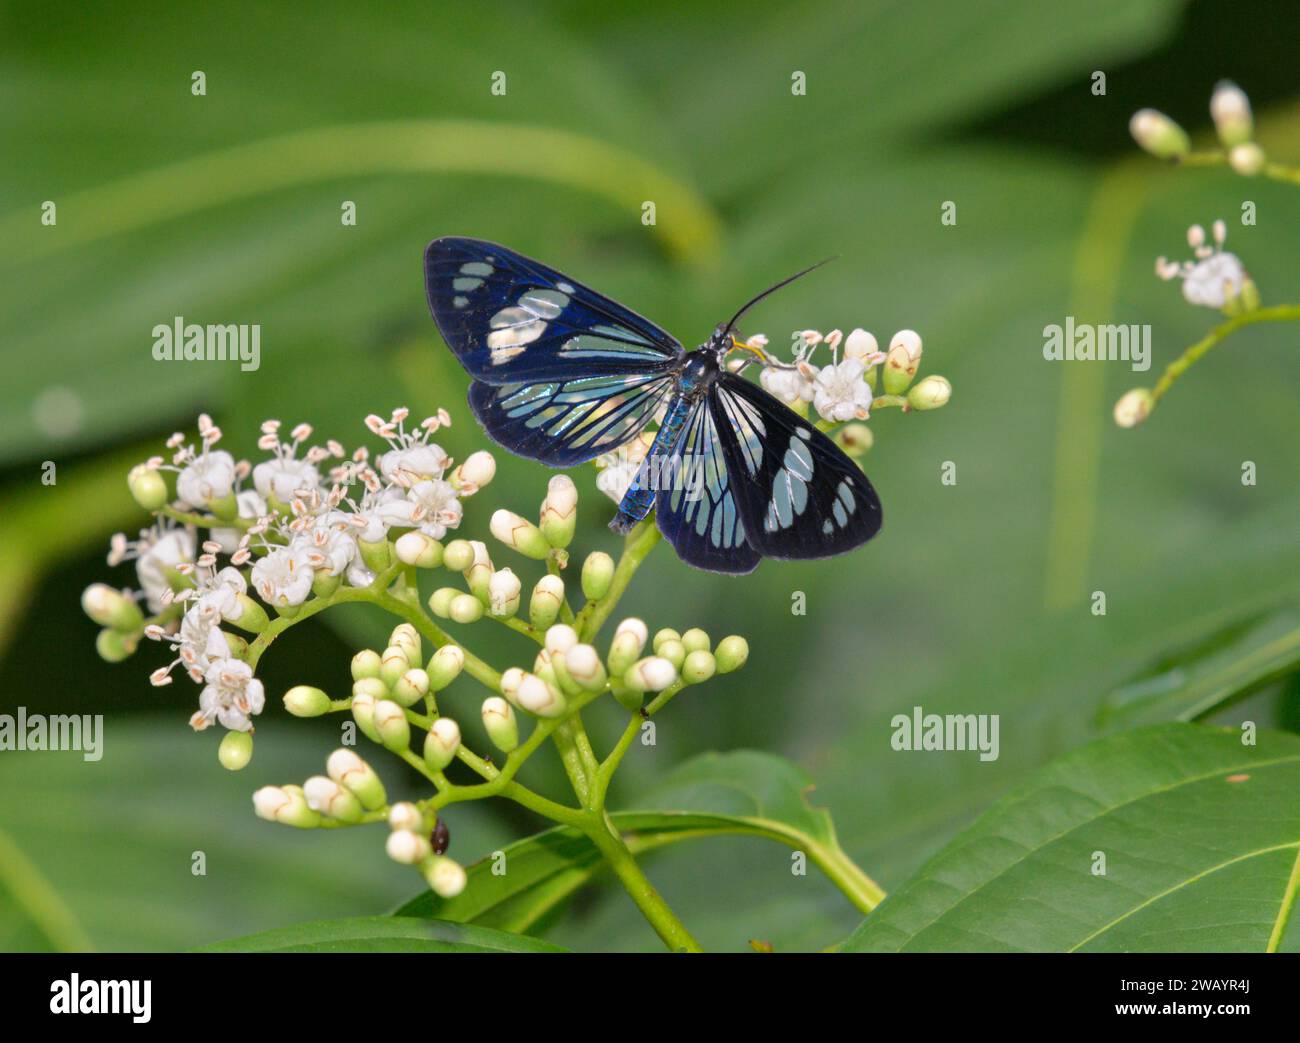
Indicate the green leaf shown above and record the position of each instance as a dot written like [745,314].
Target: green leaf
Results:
[756,794]
[1225,666]
[383,934]
[1201,840]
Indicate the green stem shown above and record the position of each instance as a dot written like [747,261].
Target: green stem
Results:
[1273,171]
[1278,313]
[665,922]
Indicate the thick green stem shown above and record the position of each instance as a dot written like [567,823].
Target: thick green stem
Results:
[611,845]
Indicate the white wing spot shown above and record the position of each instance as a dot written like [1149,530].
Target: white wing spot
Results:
[459,302]
[479,268]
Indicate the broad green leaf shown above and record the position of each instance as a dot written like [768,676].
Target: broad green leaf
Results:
[1200,837]
[383,934]
[1226,666]
[757,795]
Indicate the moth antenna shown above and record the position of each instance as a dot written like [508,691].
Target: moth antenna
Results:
[771,290]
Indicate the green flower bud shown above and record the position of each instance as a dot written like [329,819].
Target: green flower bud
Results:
[407,638]
[559,511]
[114,646]
[931,393]
[499,720]
[236,750]
[415,548]
[582,663]
[661,636]
[393,663]
[561,676]
[324,584]
[544,606]
[899,369]
[407,847]
[465,608]
[1230,109]
[392,726]
[446,877]
[1134,407]
[538,697]
[597,575]
[543,667]
[363,710]
[252,617]
[225,507]
[147,486]
[652,674]
[673,651]
[111,608]
[365,663]
[629,698]
[458,555]
[285,804]
[731,653]
[629,639]
[1157,134]
[346,768]
[305,701]
[405,815]
[1249,296]
[698,667]
[441,743]
[696,640]
[445,666]
[331,800]
[377,556]
[440,601]
[855,439]
[238,646]
[1248,159]
[519,534]
[411,687]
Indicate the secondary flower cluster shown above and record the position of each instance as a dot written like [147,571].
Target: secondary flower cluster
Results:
[1215,278]
[1234,124]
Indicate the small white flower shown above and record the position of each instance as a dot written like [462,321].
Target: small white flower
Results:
[435,507]
[789,385]
[221,598]
[232,695]
[209,476]
[283,577]
[1214,277]
[330,546]
[840,393]
[283,476]
[159,554]
[413,463]
[200,640]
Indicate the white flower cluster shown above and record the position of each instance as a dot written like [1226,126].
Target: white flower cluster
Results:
[293,532]
[1215,277]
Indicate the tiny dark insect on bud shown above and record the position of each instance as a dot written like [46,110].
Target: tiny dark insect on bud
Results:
[440,838]
[644,713]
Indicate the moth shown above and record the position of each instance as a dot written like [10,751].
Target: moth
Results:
[562,374]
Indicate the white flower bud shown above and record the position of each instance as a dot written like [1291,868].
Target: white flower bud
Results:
[441,743]
[147,486]
[597,575]
[446,877]
[392,726]
[411,687]
[111,608]
[305,701]
[407,847]
[465,608]
[560,638]
[1133,407]
[1230,109]
[393,664]
[366,663]
[445,666]
[285,804]
[418,549]
[1157,134]
[479,573]
[458,555]
[347,768]
[931,393]
[519,534]
[1247,159]
[510,679]
[478,469]
[860,344]
[405,815]
[363,709]
[652,674]
[559,511]
[536,696]
[503,593]
[583,664]
[329,798]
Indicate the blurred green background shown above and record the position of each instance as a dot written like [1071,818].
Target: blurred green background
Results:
[976,597]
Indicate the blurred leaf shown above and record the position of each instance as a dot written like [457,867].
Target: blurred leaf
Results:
[765,795]
[110,844]
[383,934]
[1201,839]
[1226,666]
